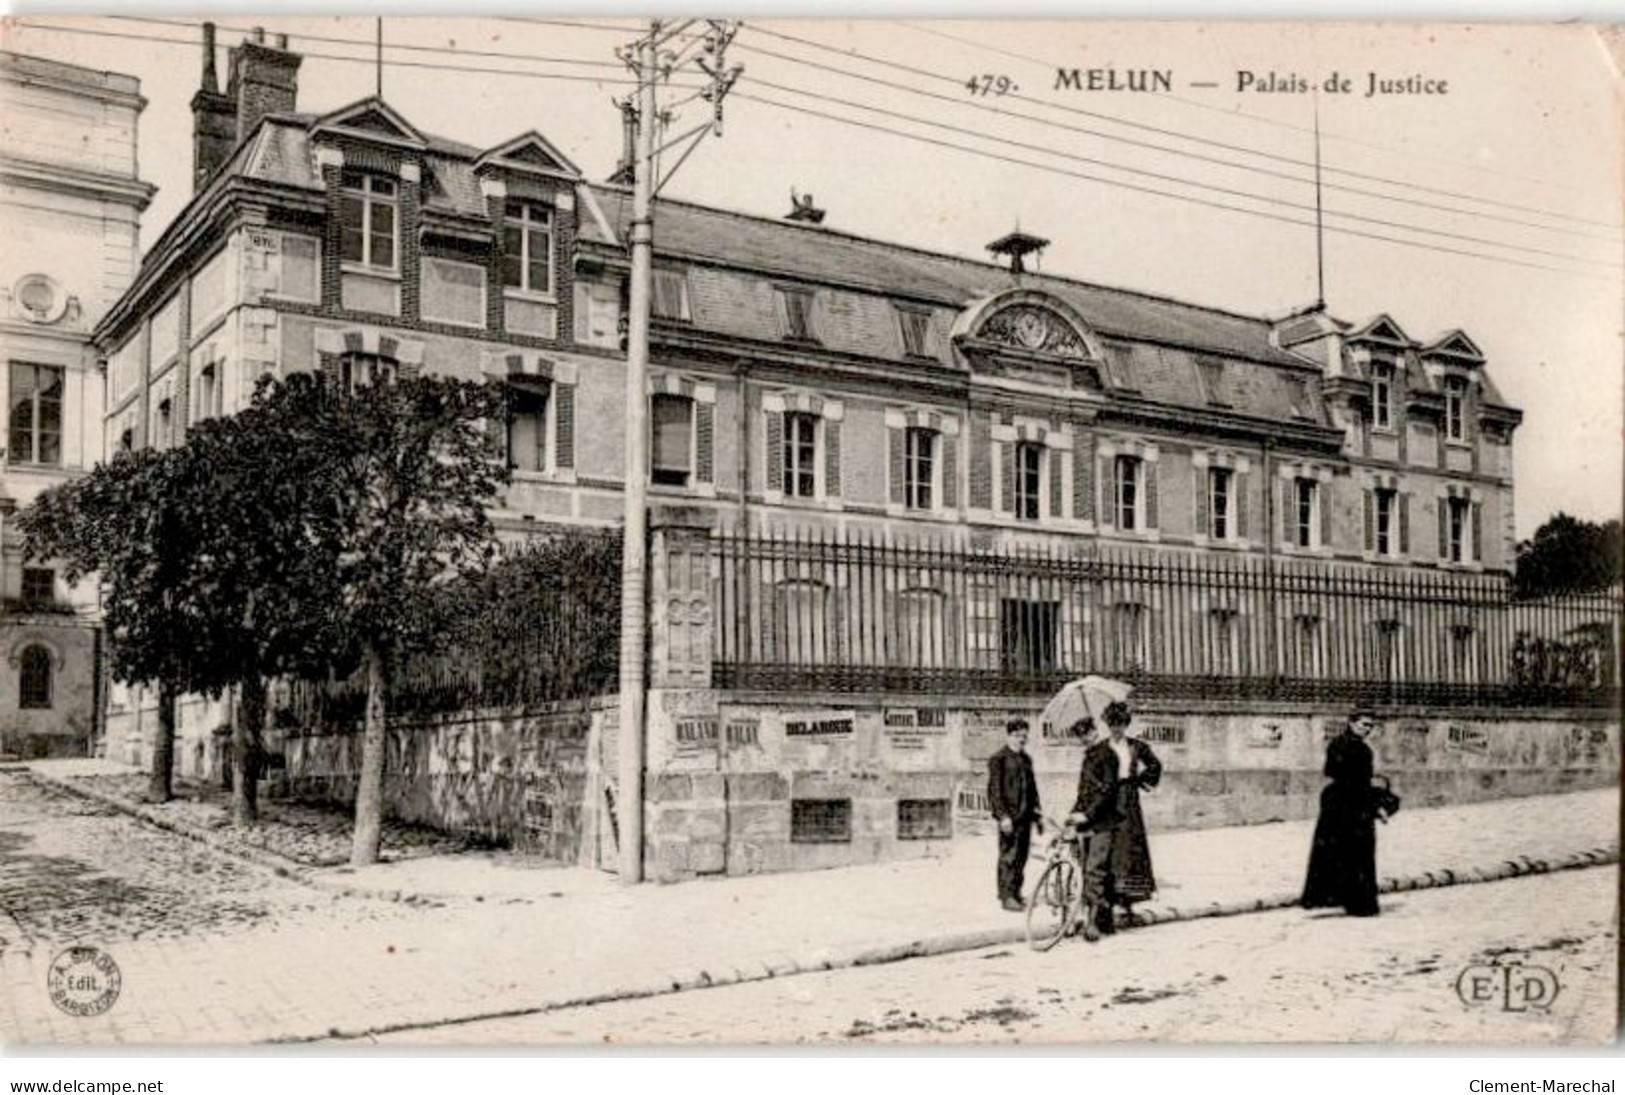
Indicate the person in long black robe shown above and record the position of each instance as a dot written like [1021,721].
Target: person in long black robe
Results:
[1343,856]
[1117,870]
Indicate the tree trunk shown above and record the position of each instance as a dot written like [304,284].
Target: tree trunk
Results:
[161,784]
[369,793]
[246,736]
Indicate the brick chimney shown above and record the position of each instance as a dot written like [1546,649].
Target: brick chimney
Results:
[622,175]
[214,119]
[264,80]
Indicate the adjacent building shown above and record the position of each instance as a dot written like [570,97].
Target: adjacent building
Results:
[70,201]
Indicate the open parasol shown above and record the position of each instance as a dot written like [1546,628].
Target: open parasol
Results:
[1084,698]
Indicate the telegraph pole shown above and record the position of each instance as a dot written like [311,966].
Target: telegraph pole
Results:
[634,546]
[647,63]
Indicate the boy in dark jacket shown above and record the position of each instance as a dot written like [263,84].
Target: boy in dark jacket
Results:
[1012,795]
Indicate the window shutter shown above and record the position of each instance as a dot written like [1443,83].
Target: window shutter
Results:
[1405,524]
[1288,516]
[1148,470]
[1108,491]
[1243,504]
[1444,529]
[330,369]
[1370,520]
[832,459]
[564,426]
[1083,487]
[1055,502]
[895,440]
[1478,532]
[1323,501]
[981,464]
[1007,476]
[950,472]
[704,442]
[496,438]
[1200,482]
[775,451]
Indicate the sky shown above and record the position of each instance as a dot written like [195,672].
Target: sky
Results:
[1518,157]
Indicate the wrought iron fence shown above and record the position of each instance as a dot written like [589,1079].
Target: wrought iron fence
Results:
[858,614]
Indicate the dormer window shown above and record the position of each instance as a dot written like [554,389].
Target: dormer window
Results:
[669,299]
[798,308]
[527,260]
[1455,408]
[1382,396]
[368,220]
[915,325]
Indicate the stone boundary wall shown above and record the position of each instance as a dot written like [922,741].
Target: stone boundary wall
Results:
[740,783]
[530,779]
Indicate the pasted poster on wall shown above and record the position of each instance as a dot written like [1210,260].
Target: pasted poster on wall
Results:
[912,729]
[821,724]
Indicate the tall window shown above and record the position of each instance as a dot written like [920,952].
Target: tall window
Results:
[919,467]
[1027,635]
[367,216]
[357,370]
[914,324]
[527,260]
[1306,507]
[1029,480]
[1382,396]
[1220,484]
[36,414]
[35,670]
[1128,492]
[798,325]
[1455,408]
[210,392]
[800,454]
[672,451]
[1387,534]
[527,428]
[39,584]
[1458,518]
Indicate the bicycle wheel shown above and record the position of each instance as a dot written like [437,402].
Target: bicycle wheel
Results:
[1054,904]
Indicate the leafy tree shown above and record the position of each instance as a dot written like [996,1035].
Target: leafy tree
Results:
[1568,555]
[411,472]
[134,522]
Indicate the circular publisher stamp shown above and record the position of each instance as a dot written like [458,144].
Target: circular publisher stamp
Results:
[84,981]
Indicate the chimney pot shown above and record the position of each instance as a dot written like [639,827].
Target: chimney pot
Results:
[259,34]
[282,41]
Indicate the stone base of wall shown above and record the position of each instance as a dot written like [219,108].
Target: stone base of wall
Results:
[741,783]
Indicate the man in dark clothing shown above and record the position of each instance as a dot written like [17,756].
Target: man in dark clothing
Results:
[1012,794]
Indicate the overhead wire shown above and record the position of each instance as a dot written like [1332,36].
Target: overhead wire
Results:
[1177,179]
[1189,198]
[1099,115]
[1261,119]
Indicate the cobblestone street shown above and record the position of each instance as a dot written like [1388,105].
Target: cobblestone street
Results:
[1274,977]
[214,950]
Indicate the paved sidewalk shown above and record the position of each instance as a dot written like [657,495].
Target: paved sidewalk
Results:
[519,939]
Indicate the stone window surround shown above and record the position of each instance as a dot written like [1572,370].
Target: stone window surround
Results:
[1380,481]
[826,411]
[1322,476]
[946,425]
[1475,497]
[698,392]
[1037,431]
[499,365]
[1106,452]
[1238,465]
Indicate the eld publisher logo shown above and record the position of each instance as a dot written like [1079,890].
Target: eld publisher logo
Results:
[1511,987]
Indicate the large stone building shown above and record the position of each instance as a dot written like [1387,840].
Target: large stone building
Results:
[804,381]
[70,201]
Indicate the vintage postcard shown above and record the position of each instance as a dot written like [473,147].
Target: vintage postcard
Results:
[543,530]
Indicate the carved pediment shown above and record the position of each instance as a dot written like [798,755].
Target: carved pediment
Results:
[529,150]
[1035,330]
[1454,344]
[374,117]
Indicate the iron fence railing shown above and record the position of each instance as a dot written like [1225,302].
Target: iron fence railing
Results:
[853,615]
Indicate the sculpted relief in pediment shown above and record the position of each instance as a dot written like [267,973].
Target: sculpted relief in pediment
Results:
[1034,329]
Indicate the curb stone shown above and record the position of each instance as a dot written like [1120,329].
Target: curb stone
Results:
[954,942]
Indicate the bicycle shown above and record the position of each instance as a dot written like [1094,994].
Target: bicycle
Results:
[1053,909]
